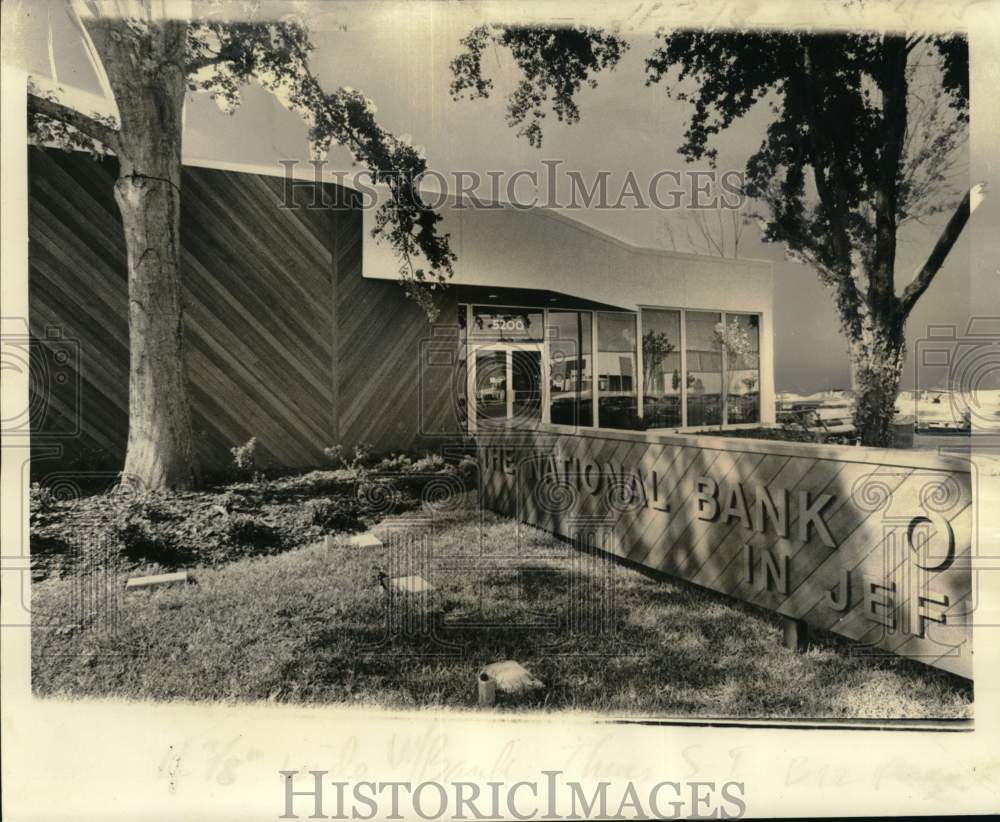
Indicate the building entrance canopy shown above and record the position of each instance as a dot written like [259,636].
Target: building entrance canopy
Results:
[528,298]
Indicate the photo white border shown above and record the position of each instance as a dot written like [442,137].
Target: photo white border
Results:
[112,759]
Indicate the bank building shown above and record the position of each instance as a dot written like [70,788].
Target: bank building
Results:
[299,333]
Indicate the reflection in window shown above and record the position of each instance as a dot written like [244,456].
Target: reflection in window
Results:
[526,386]
[661,368]
[491,387]
[704,368]
[571,376]
[616,355]
[507,324]
[743,371]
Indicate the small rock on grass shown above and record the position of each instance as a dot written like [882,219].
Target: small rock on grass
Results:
[158,581]
[512,678]
[409,585]
[364,540]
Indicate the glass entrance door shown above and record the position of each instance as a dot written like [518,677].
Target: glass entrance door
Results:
[492,396]
[526,385]
[508,385]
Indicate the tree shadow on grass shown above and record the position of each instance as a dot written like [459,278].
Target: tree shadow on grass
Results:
[438,661]
[663,649]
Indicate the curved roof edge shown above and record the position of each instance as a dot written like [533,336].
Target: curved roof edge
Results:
[306,172]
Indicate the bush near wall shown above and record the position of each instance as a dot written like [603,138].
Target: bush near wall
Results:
[159,531]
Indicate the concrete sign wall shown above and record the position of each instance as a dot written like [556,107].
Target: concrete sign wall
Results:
[872,544]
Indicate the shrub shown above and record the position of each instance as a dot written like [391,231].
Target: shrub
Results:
[218,533]
[415,474]
[151,506]
[334,514]
[140,542]
[468,471]
[247,535]
[358,459]
[394,464]
[42,502]
[428,464]
[245,458]
[49,551]
[784,434]
[230,501]
[142,525]
[624,417]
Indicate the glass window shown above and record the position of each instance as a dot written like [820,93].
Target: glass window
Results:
[507,324]
[661,368]
[743,369]
[616,371]
[460,387]
[704,368]
[571,375]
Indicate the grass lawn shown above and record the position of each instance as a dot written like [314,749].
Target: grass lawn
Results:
[308,625]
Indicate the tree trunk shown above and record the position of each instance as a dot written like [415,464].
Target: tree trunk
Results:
[145,71]
[160,451]
[877,363]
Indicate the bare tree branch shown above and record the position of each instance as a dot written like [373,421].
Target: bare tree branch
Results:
[669,231]
[696,231]
[739,225]
[948,237]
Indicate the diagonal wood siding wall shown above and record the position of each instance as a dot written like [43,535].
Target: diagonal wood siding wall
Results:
[264,288]
[397,379]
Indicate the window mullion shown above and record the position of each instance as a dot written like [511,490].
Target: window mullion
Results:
[684,370]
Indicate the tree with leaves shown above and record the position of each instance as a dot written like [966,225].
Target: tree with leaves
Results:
[656,347]
[850,153]
[734,342]
[151,62]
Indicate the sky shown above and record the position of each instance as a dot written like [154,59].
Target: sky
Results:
[399,57]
